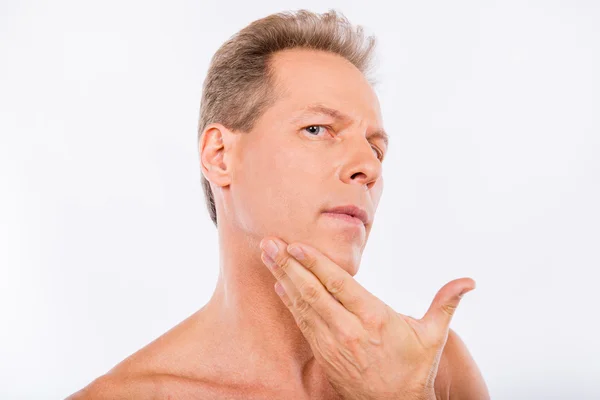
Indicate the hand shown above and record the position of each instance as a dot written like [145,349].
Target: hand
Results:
[366,349]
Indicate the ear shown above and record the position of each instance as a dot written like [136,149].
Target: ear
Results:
[214,149]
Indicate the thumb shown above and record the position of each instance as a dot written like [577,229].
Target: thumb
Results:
[444,304]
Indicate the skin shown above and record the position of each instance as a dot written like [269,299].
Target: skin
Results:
[275,182]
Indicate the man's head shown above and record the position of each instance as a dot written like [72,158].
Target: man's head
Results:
[270,144]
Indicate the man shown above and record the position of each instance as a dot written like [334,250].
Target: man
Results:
[290,128]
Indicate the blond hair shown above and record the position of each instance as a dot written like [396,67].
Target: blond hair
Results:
[239,84]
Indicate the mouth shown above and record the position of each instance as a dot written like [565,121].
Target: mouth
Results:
[345,217]
[350,213]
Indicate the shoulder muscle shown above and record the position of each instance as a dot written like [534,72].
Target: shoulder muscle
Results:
[459,376]
[117,387]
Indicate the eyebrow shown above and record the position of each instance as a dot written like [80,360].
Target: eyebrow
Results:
[338,115]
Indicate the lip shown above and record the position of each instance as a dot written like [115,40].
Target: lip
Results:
[346,218]
[351,210]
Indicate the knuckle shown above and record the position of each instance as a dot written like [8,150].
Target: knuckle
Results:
[335,285]
[279,274]
[349,338]
[303,324]
[310,263]
[449,309]
[310,293]
[301,305]
[284,262]
[374,320]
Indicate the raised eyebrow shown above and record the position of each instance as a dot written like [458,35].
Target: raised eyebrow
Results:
[380,135]
[319,109]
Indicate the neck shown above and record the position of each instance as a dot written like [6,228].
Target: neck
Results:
[254,330]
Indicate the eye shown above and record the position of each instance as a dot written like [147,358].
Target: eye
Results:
[315,129]
[379,153]
[312,128]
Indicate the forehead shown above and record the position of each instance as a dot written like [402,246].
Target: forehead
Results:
[306,77]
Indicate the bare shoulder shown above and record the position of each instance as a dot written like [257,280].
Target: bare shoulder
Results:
[113,386]
[156,371]
[165,387]
[132,378]
[148,387]
[458,375]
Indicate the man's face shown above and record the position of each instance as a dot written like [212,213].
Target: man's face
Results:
[289,168]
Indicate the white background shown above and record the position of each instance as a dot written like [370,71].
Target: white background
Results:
[493,172]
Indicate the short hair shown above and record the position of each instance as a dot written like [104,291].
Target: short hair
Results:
[239,85]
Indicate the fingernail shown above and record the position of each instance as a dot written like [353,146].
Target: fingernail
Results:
[271,249]
[269,262]
[279,289]
[296,252]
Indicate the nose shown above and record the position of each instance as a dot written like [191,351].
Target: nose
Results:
[363,167]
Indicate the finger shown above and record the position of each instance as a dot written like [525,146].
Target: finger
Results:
[307,319]
[306,291]
[310,327]
[442,308]
[337,281]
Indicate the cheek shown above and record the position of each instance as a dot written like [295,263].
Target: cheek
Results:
[268,191]
[377,192]
[279,183]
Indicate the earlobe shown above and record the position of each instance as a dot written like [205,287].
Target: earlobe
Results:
[212,152]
